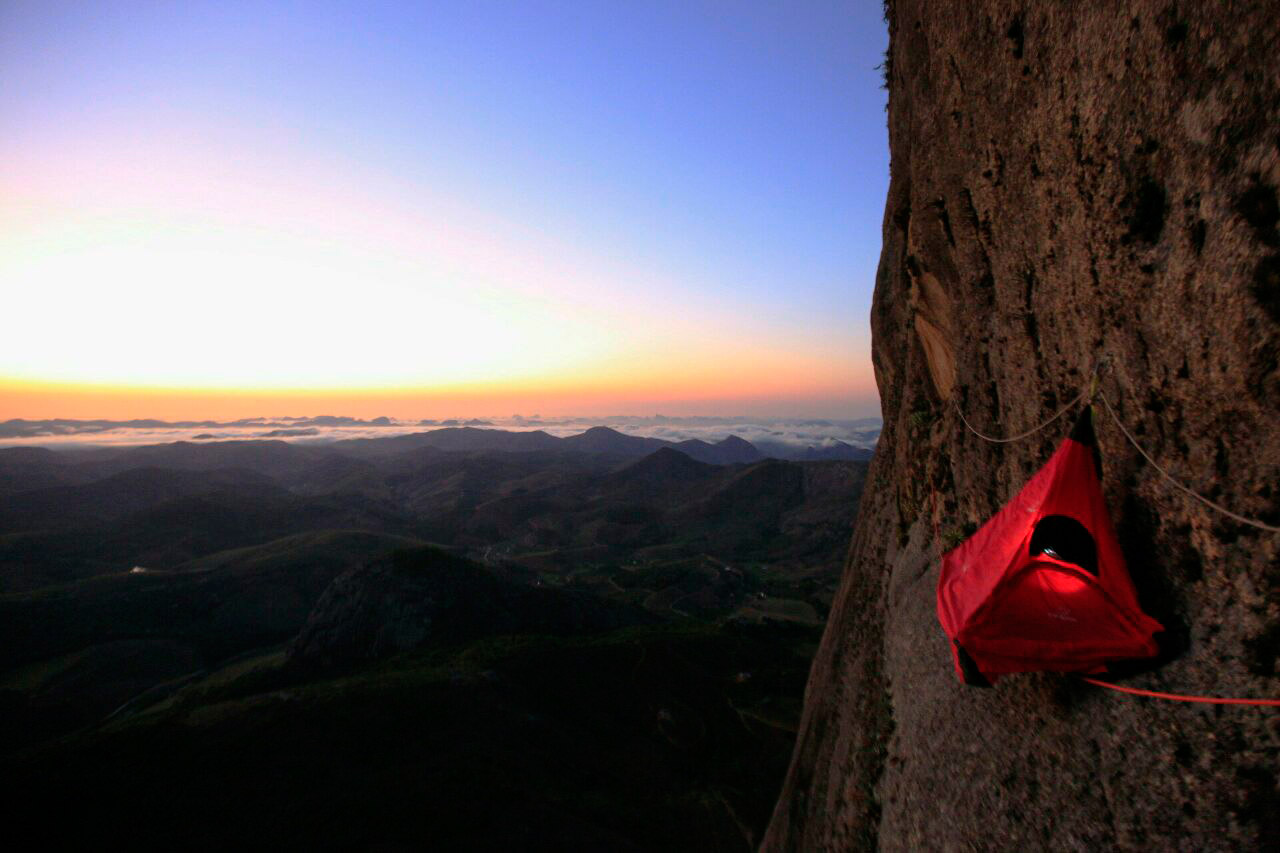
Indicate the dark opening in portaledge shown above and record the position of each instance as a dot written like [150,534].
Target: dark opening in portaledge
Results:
[1065,539]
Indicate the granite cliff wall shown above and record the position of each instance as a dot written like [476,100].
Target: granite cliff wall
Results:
[1069,181]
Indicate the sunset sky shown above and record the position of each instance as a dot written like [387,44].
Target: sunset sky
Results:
[228,209]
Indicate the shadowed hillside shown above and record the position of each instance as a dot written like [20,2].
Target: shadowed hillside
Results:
[601,647]
[430,703]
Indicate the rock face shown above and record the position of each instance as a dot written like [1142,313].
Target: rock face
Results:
[1069,182]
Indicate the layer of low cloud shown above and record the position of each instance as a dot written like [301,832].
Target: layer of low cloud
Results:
[802,432]
[798,432]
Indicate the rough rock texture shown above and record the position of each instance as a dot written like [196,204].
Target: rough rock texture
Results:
[1069,181]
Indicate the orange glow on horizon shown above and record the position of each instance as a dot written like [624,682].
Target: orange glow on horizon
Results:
[708,391]
[681,377]
[164,256]
[262,293]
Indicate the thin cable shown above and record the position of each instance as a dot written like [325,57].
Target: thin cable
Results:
[937,536]
[1222,509]
[1020,436]
[1179,697]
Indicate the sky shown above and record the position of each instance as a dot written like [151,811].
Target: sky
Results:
[425,210]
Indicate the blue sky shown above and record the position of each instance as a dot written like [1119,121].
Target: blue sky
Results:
[721,164]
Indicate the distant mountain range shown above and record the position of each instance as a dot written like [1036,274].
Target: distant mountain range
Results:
[601,440]
[777,437]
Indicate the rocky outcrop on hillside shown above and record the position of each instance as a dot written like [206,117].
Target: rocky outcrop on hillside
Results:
[1069,182]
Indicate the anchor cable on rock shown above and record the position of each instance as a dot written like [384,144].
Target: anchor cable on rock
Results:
[1252,522]
[1181,697]
[1088,395]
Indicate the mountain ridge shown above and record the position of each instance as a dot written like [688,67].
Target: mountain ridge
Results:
[732,449]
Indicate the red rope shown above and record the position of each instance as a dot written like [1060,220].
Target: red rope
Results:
[1178,697]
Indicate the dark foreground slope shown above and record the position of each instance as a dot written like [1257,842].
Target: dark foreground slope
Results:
[73,654]
[432,705]
[118,588]
[1069,181]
